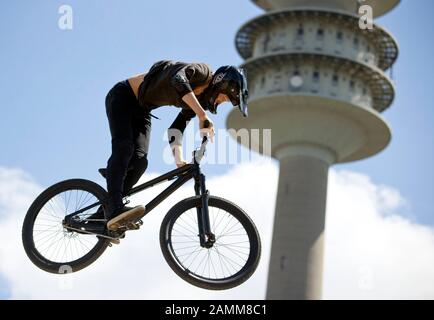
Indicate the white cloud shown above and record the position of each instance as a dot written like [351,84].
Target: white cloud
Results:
[371,250]
[16,188]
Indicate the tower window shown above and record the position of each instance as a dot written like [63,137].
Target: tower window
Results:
[280,43]
[300,32]
[320,34]
[356,42]
[262,82]
[266,42]
[339,36]
[315,76]
[335,80]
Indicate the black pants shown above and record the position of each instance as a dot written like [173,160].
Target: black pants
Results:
[130,127]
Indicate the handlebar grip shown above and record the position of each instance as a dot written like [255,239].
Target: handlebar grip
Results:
[206,124]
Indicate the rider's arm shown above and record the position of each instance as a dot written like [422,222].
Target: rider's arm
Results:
[175,133]
[192,75]
[191,100]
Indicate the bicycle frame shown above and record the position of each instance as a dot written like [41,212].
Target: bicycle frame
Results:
[182,175]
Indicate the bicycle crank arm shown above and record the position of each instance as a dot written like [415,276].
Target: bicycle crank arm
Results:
[93,233]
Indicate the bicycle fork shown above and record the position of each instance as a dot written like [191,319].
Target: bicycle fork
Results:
[207,238]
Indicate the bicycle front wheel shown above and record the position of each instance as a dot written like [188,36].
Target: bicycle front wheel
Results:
[229,262]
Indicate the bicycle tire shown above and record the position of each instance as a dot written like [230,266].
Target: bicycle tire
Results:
[212,284]
[28,226]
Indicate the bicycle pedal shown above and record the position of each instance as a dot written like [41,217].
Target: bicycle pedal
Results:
[114,241]
[132,225]
[118,234]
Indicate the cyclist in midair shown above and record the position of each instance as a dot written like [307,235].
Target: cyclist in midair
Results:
[193,88]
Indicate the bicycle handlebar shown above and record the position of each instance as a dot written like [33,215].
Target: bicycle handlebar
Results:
[200,152]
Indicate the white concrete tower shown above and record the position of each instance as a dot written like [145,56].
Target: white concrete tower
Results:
[317,79]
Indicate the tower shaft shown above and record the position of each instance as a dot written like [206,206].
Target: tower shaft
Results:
[298,234]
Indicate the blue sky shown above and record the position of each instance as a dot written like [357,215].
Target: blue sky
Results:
[54,82]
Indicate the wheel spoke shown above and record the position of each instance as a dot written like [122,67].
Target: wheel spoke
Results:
[224,229]
[191,228]
[184,235]
[235,252]
[190,254]
[222,260]
[201,261]
[54,242]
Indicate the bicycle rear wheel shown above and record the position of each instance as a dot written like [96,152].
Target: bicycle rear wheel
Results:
[48,243]
[229,262]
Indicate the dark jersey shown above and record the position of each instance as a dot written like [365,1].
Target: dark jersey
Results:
[166,83]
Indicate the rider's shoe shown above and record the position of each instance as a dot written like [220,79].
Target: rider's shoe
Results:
[98,215]
[93,223]
[85,227]
[122,215]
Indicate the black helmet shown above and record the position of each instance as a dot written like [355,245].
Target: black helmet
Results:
[231,81]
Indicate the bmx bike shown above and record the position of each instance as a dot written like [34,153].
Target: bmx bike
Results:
[208,241]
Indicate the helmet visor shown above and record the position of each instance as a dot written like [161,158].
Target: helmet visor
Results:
[240,95]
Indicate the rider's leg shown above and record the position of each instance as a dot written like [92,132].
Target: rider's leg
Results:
[136,169]
[120,103]
[119,114]
[117,166]
[139,161]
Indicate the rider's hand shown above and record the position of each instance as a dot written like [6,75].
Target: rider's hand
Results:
[209,130]
[179,158]
[181,163]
